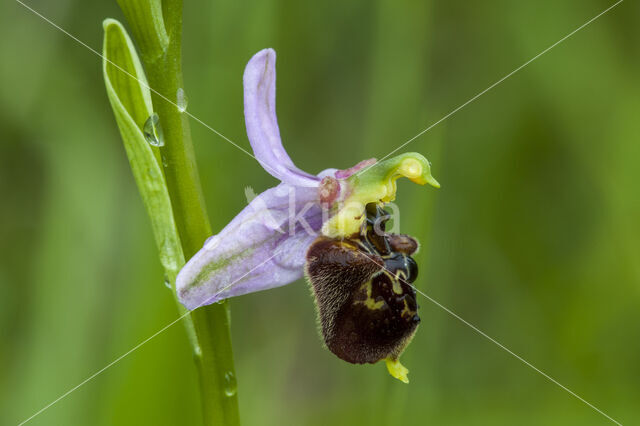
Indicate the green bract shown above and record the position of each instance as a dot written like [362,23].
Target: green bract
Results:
[130,99]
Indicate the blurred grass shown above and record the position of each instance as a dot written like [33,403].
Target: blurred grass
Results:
[533,237]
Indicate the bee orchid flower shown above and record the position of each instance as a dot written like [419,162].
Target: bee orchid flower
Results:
[267,244]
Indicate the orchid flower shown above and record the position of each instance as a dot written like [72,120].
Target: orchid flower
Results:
[266,245]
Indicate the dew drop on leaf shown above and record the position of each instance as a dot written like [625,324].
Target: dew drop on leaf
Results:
[152,130]
[230,384]
[181,100]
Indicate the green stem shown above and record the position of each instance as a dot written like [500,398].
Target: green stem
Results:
[213,355]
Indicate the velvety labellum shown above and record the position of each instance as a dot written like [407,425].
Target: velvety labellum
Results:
[366,308]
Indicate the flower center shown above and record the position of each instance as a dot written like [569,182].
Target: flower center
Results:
[374,184]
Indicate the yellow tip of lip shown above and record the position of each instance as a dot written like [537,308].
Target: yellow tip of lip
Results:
[429,180]
[433,182]
[397,370]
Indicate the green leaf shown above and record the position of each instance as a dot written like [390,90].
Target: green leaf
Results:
[130,99]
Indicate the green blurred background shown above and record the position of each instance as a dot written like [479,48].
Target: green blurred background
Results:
[534,236]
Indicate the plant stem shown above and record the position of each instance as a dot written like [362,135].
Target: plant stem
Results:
[215,356]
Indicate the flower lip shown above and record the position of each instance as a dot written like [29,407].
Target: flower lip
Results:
[262,126]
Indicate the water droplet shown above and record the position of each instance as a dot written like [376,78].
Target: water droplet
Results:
[197,351]
[230,384]
[168,254]
[181,100]
[152,130]
[165,163]
[167,283]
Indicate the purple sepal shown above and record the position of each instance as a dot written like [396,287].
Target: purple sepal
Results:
[262,125]
[261,248]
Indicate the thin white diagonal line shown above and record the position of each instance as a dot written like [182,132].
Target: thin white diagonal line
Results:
[497,83]
[494,341]
[88,379]
[136,347]
[49,21]
[94,375]
[510,352]
[246,152]
[449,311]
